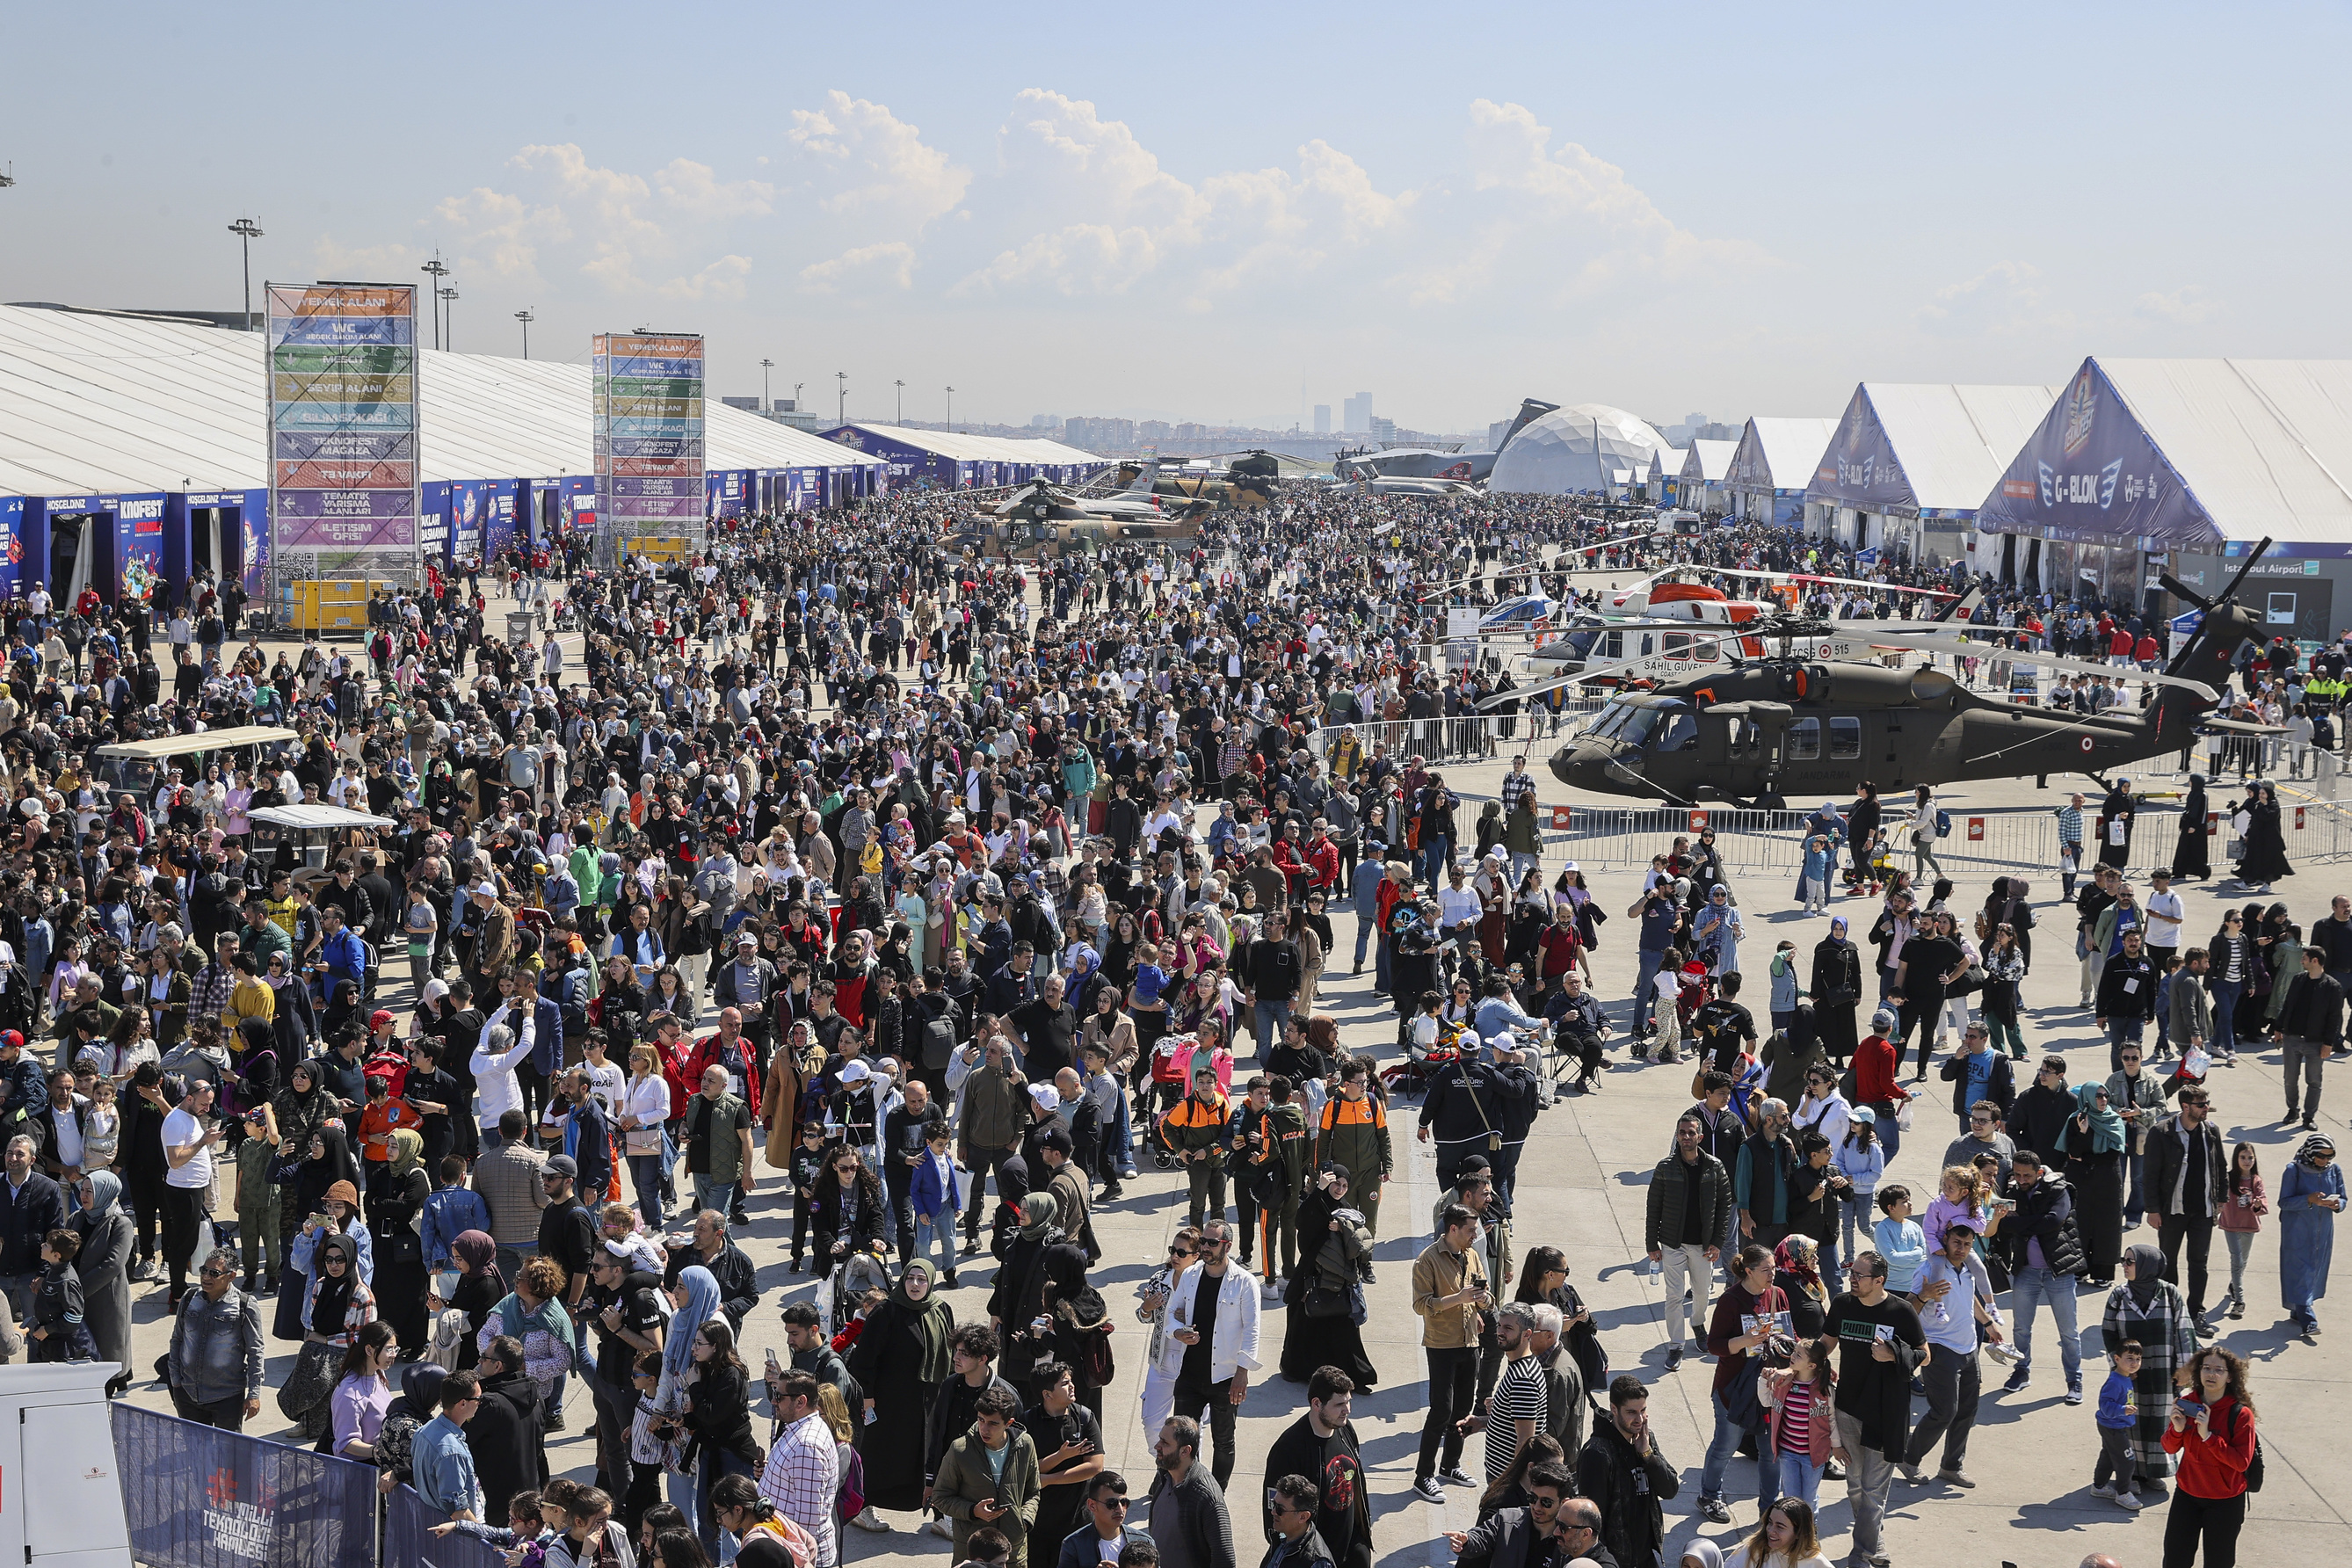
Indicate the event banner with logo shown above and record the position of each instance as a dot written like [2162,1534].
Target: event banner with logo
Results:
[646,389]
[342,420]
[197,1497]
[409,1541]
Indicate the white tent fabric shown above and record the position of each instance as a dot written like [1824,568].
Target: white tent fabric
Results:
[94,402]
[1575,449]
[963,446]
[1713,460]
[1954,442]
[2265,446]
[1780,453]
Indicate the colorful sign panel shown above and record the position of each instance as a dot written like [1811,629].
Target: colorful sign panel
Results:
[342,419]
[647,402]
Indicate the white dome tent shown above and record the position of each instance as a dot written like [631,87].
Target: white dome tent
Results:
[1576,448]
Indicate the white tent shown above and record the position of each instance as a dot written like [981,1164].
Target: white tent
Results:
[1576,448]
[91,402]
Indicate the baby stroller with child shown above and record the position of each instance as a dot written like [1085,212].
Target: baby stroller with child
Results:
[1411,1075]
[1172,1075]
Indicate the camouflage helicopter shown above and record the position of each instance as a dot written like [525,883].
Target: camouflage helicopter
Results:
[1754,734]
[1041,518]
[1249,480]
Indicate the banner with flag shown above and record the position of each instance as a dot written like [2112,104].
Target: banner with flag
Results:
[198,1497]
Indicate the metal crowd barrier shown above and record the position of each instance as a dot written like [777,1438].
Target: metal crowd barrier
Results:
[1461,739]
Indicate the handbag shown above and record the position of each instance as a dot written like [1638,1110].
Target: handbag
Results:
[308,1386]
[1322,1301]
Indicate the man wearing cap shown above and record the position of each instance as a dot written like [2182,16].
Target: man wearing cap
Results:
[747,983]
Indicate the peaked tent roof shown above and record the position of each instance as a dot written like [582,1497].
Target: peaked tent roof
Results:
[1668,462]
[963,446]
[2186,454]
[1779,453]
[1906,447]
[1706,462]
[95,403]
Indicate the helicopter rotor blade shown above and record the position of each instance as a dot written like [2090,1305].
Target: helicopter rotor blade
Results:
[1817,577]
[2047,661]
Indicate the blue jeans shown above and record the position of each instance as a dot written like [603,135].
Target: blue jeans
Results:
[2224,1042]
[1433,860]
[646,1175]
[1645,986]
[1718,1461]
[1366,929]
[939,1230]
[1266,1019]
[2120,1032]
[710,1195]
[1800,1476]
[2029,1288]
[1119,1157]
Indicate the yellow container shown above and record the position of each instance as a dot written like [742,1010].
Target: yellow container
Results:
[657,549]
[331,604]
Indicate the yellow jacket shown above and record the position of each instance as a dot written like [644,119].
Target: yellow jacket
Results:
[1435,1273]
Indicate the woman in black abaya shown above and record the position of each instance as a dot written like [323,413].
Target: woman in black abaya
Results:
[1333,1241]
[2191,855]
[900,1361]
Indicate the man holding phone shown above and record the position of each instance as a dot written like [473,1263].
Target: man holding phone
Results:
[1068,1440]
[189,1134]
[1450,1293]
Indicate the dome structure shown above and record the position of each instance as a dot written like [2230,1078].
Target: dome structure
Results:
[1575,449]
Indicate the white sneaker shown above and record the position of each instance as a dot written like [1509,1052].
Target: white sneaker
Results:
[944,1530]
[2129,1502]
[866,1519]
[2105,1489]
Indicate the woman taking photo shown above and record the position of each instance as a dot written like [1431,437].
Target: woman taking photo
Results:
[2211,1427]
[334,1212]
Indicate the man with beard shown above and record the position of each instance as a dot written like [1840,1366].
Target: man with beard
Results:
[626,1319]
[1322,1446]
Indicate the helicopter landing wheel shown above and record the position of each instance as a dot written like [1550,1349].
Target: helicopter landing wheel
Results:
[1771,801]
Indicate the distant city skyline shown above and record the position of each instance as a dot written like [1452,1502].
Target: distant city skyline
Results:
[1021,209]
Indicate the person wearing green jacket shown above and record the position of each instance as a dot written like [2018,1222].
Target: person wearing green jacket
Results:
[988,1478]
[1079,772]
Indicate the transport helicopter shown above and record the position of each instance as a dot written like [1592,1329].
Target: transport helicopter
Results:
[1753,735]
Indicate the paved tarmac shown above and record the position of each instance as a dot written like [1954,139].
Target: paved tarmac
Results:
[1581,1187]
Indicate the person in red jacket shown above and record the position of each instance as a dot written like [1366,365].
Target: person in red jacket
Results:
[2211,1429]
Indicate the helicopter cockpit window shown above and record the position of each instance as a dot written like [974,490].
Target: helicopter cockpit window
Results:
[1611,719]
[1580,642]
[1845,740]
[1680,733]
[1637,729]
[1805,740]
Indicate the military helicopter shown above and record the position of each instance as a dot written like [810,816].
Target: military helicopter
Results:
[1035,519]
[1752,735]
[1248,480]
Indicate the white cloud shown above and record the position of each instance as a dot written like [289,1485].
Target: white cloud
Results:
[2007,297]
[868,161]
[696,191]
[892,262]
[2183,306]
[722,279]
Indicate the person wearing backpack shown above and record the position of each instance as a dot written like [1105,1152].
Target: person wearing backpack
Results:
[1929,824]
[2212,1431]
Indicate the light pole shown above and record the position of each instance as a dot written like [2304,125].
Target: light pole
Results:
[797,394]
[526,318]
[765,366]
[247,230]
[951,409]
[448,296]
[436,272]
[902,400]
[841,408]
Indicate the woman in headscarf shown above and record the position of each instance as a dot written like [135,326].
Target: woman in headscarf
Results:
[1019,1297]
[338,1302]
[2094,1140]
[2118,814]
[900,1361]
[1836,990]
[396,1440]
[2191,856]
[2264,862]
[2310,1197]
[481,1286]
[104,1262]
[300,1111]
[1797,1270]
[1334,1246]
[694,1301]
[2146,1306]
[399,1248]
[1079,1318]
[334,1212]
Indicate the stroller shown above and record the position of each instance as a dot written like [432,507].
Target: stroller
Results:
[1171,1069]
[856,1274]
[1876,869]
[1411,1075]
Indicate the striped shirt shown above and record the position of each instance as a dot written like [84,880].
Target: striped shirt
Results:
[1797,1420]
[1521,1395]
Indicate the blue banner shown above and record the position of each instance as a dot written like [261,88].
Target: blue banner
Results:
[2091,473]
[342,329]
[196,1496]
[409,1541]
[1860,469]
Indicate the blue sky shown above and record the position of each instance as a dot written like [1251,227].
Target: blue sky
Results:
[1195,212]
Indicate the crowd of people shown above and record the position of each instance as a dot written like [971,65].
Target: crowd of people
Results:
[930,899]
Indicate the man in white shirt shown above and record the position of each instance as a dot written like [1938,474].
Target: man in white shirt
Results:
[2165,912]
[1953,1294]
[190,1132]
[1458,910]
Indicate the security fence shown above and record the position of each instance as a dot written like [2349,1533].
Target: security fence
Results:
[2021,841]
[1462,739]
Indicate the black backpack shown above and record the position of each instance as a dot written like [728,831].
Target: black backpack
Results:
[2254,1465]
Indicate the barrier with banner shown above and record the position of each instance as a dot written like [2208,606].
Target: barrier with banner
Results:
[197,1497]
[409,1541]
